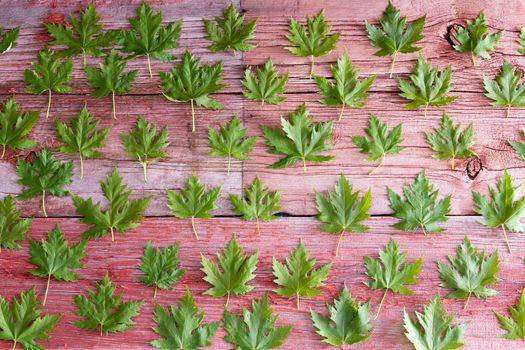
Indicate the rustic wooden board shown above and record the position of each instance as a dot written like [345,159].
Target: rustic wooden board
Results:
[188,154]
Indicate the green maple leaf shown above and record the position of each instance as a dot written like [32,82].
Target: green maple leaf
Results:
[265,85]
[12,227]
[433,329]
[21,321]
[514,326]
[475,38]
[230,32]
[450,142]
[46,175]
[8,38]
[469,272]
[84,37]
[257,204]
[50,74]
[15,124]
[121,215]
[54,258]
[82,137]
[348,322]
[102,309]
[299,277]
[193,82]
[347,89]
[181,327]
[312,41]
[395,36]
[231,141]
[193,201]
[428,86]
[380,141]
[110,78]
[522,41]
[255,330]
[389,273]
[418,208]
[161,267]
[299,139]
[148,38]
[504,209]
[506,90]
[237,270]
[342,210]
[519,147]
[145,144]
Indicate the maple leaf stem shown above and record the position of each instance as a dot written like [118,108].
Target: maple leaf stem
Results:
[44,203]
[48,103]
[466,302]
[47,289]
[14,345]
[193,227]
[84,57]
[507,113]
[339,243]
[227,300]
[192,116]
[311,66]
[112,234]
[343,345]
[378,166]
[155,293]
[423,228]
[149,66]
[473,58]
[229,164]
[101,329]
[381,304]
[81,167]
[393,64]
[3,152]
[506,238]
[145,170]
[342,111]
[258,227]
[113,104]
[426,110]
[304,165]
[453,162]
[297,300]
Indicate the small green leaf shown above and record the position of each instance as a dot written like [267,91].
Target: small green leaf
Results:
[514,326]
[347,89]
[191,81]
[522,41]
[121,215]
[476,39]
[8,38]
[300,139]
[15,124]
[231,141]
[54,258]
[504,209]
[342,210]
[82,137]
[428,86]
[237,270]
[50,74]
[469,272]
[229,32]
[348,322]
[46,175]
[380,141]
[181,327]
[161,267]
[266,85]
[104,310]
[506,90]
[418,208]
[110,78]
[389,273]
[299,277]
[145,144]
[519,147]
[12,227]
[395,36]
[256,329]
[433,329]
[193,201]
[257,204]
[313,40]
[450,142]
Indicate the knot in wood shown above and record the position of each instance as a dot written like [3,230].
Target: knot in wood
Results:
[452,30]
[474,167]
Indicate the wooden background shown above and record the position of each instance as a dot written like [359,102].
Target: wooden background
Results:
[188,154]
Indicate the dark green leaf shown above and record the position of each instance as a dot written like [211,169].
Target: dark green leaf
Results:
[265,85]
[12,227]
[8,38]
[519,147]
[514,326]
[506,90]
[15,124]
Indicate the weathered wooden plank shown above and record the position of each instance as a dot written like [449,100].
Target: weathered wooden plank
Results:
[102,256]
